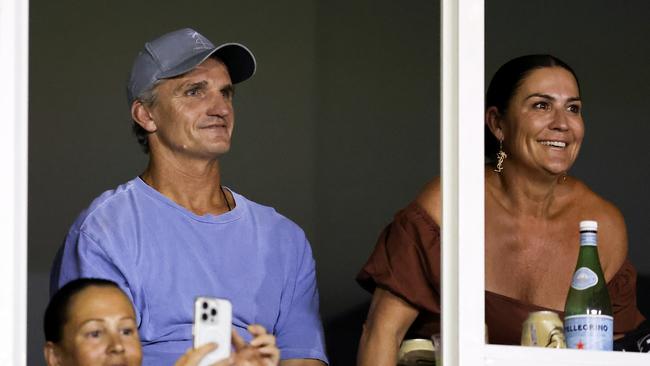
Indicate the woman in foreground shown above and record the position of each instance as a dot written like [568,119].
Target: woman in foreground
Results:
[534,130]
[91,322]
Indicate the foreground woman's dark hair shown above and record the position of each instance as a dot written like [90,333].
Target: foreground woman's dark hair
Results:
[56,313]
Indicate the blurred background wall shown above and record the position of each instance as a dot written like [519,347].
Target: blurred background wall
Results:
[337,130]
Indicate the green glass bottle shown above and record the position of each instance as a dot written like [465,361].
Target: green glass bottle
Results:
[588,320]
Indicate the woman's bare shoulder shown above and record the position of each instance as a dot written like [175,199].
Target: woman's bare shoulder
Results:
[429,199]
[591,203]
[612,232]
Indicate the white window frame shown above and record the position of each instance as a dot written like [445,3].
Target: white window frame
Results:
[462,68]
[14,63]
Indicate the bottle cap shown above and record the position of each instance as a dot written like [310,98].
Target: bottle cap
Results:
[588,225]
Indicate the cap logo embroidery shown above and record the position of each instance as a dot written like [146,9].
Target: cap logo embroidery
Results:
[200,43]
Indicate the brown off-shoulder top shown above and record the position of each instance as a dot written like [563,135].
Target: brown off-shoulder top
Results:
[406,262]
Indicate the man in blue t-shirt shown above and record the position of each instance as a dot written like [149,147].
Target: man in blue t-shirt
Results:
[175,233]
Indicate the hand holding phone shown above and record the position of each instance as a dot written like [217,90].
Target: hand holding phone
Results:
[212,324]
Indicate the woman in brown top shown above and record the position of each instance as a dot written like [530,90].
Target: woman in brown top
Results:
[532,210]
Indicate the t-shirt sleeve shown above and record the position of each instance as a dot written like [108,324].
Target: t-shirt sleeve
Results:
[82,256]
[406,260]
[622,292]
[299,332]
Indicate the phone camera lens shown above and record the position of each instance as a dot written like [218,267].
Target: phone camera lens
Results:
[204,316]
[213,312]
[205,305]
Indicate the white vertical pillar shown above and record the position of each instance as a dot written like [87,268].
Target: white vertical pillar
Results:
[13,182]
[462,49]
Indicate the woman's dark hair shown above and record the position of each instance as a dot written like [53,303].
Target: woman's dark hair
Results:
[504,85]
[56,313]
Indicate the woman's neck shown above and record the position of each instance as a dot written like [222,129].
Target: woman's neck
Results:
[524,193]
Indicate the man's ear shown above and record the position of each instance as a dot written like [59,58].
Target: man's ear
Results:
[142,115]
[52,354]
[493,120]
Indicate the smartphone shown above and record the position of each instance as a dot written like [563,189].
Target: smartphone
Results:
[212,323]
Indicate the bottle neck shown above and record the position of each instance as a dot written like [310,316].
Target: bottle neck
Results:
[588,238]
[588,254]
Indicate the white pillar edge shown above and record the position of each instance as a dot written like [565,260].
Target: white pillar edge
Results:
[14,63]
[462,163]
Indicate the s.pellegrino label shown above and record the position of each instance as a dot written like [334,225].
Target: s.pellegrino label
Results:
[593,332]
[588,320]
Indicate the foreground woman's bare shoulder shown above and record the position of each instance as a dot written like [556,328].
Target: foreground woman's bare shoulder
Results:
[429,200]
[612,232]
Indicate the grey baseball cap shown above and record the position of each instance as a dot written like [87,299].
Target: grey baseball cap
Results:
[180,51]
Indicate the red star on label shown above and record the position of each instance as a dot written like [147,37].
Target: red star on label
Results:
[580,345]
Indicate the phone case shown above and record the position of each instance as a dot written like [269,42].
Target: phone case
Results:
[212,323]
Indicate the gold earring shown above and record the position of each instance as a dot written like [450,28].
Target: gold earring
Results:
[501,156]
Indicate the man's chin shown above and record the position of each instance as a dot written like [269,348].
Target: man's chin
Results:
[218,152]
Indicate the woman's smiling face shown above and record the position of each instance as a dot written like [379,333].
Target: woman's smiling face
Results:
[543,127]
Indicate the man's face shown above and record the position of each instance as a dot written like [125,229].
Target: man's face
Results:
[193,113]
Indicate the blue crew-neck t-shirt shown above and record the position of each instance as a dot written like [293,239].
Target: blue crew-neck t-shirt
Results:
[164,256]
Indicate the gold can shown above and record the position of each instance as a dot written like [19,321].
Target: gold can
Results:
[543,329]
[416,352]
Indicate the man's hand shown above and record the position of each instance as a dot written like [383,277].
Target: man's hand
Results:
[262,350]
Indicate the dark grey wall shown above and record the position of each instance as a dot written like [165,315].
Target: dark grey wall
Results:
[337,129]
[376,141]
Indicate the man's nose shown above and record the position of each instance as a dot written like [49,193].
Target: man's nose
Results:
[220,105]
